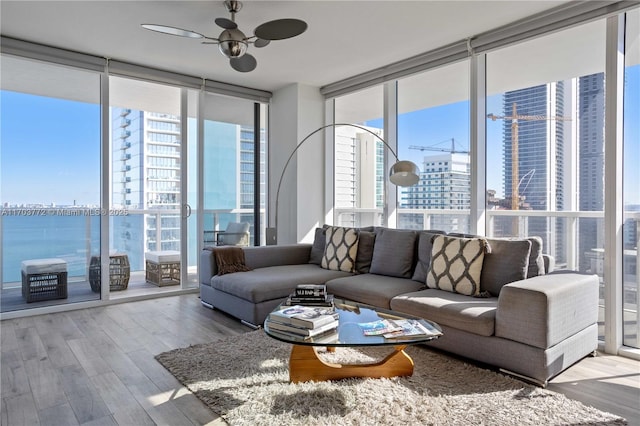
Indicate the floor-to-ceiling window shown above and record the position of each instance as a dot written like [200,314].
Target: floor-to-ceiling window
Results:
[545,126]
[359,159]
[50,183]
[233,153]
[433,132]
[631,183]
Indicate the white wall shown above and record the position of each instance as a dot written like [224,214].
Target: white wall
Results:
[295,111]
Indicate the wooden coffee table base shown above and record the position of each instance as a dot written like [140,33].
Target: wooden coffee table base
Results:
[306,365]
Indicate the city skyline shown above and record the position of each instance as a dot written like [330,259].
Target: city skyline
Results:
[72,133]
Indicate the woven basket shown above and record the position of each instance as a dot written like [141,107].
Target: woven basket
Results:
[119,272]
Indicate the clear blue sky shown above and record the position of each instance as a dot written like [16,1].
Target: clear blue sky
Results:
[50,148]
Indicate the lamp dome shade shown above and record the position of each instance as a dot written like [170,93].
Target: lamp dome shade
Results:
[404,173]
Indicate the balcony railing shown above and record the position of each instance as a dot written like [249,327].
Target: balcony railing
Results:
[563,224]
[133,231]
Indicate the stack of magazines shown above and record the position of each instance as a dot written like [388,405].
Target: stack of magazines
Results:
[398,328]
[304,322]
[310,295]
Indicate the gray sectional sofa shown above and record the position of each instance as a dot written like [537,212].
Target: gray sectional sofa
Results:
[530,322]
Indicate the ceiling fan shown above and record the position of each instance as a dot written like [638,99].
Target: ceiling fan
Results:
[233,43]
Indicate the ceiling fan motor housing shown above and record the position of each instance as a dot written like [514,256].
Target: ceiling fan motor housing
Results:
[232,43]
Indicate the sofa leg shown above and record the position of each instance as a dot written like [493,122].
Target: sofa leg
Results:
[524,378]
[206,305]
[248,324]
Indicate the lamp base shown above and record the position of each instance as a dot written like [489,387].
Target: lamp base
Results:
[271,236]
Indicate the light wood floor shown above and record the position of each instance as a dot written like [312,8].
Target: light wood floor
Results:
[96,367]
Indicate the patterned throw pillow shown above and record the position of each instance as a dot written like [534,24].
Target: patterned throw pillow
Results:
[340,249]
[456,264]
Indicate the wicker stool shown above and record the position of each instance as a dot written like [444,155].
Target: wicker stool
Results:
[44,279]
[162,267]
[119,272]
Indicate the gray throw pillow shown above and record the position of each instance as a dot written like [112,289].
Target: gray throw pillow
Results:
[340,249]
[536,260]
[393,252]
[317,249]
[456,264]
[506,262]
[366,242]
[424,255]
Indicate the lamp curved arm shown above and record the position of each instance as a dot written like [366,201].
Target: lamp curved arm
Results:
[412,167]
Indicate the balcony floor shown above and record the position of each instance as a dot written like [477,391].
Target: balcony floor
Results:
[80,291]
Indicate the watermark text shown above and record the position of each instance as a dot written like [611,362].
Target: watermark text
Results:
[71,211]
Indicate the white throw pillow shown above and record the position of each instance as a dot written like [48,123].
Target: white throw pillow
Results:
[456,264]
[340,249]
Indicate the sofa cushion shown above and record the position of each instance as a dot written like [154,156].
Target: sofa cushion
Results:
[536,260]
[506,262]
[340,249]
[273,282]
[366,241]
[393,252]
[371,289]
[317,249]
[456,264]
[424,255]
[470,314]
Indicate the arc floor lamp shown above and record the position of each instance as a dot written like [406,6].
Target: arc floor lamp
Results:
[401,173]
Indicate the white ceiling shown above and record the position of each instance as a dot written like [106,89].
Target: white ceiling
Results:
[344,38]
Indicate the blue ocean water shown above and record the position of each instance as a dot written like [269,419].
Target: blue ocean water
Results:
[72,238]
[75,239]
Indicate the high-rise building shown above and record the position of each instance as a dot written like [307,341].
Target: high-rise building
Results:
[359,175]
[146,166]
[591,165]
[547,151]
[445,184]
[146,175]
[540,144]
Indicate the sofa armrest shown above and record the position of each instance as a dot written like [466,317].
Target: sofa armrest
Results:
[207,268]
[257,257]
[549,263]
[544,310]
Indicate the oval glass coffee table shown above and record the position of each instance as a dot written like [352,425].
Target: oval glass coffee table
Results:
[306,365]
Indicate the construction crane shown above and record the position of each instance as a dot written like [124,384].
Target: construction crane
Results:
[515,117]
[453,149]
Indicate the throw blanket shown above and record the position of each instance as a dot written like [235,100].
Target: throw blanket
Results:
[229,259]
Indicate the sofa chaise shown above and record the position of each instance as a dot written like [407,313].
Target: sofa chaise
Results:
[523,318]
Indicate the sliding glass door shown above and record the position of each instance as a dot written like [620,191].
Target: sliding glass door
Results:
[147,159]
[49,183]
[233,169]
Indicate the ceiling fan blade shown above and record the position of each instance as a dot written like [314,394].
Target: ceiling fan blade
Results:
[226,23]
[172,31]
[245,63]
[280,29]
[261,42]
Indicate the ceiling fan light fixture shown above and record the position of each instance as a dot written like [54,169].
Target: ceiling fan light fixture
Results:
[232,43]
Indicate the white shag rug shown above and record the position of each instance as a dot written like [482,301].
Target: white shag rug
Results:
[245,379]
